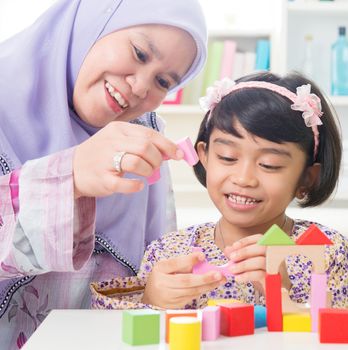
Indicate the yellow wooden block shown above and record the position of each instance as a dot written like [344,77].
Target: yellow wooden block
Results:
[296,323]
[185,333]
[217,302]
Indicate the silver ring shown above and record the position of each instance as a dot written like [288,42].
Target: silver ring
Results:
[117,159]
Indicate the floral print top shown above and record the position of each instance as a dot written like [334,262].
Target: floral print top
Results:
[127,292]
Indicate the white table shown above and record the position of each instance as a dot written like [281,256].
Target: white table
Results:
[101,329]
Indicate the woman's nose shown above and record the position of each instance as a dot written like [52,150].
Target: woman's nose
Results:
[139,85]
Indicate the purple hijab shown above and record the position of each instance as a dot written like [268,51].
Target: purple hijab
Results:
[38,70]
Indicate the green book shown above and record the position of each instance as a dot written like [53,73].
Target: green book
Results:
[213,66]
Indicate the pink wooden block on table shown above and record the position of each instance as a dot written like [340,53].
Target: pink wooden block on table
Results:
[318,297]
[204,266]
[211,323]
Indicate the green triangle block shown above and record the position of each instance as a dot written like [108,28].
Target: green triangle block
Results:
[275,236]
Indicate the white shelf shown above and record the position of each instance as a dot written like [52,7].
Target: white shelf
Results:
[240,33]
[191,110]
[339,8]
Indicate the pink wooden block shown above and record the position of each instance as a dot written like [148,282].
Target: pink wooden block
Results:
[211,323]
[204,267]
[190,154]
[156,175]
[318,297]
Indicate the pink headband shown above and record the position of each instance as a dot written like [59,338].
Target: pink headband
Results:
[303,101]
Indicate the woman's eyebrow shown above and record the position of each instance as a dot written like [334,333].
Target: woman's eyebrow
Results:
[154,50]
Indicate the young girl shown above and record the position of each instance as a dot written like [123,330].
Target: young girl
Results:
[264,141]
[69,85]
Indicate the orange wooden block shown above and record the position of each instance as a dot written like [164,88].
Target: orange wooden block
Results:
[177,313]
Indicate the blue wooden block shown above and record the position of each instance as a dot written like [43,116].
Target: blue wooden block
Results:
[260,316]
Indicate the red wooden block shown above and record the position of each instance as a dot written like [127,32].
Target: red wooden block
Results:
[333,326]
[313,236]
[274,314]
[237,319]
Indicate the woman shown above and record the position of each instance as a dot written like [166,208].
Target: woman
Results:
[68,85]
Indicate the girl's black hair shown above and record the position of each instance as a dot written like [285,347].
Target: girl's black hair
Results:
[277,122]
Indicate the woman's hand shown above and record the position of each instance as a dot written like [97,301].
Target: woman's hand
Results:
[94,172]
[171,283]
[249,259]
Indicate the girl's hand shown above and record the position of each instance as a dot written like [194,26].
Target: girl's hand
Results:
[250,260]
[93,169]
[171,284]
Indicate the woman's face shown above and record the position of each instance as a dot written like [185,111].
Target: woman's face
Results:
[130,71]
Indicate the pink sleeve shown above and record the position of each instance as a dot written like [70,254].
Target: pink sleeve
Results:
[42,227]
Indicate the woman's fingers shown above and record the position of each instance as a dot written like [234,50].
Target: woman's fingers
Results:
[146,135]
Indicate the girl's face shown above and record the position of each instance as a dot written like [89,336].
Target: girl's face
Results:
[251,180]
[130,71]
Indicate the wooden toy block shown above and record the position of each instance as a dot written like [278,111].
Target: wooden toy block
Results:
[260,316]
[318,297]
[185,333]
[275,236]
[141,327]
[296,323]
[313,236]
[290,307]
[177,313]
[219,302]
[333,326]
[276,254]
[237,319]
[204,266]
[211,323]
[190,154]
[274,303]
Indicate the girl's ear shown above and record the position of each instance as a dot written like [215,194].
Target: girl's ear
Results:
[202,154]
[309,180]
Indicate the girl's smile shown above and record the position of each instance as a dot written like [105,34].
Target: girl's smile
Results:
[240,202]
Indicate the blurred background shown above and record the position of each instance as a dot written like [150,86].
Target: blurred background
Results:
[247,36]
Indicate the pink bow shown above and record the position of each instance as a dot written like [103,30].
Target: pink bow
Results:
[309,104]
[215,94]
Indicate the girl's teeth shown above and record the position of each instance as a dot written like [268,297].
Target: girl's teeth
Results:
[241,200]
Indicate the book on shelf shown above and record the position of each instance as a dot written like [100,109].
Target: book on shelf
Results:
[263,54]
[228,55]
[225,59]
[213,65]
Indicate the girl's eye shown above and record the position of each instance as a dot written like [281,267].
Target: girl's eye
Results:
[227,159]
[142,56]
[270,167]
[163,83]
